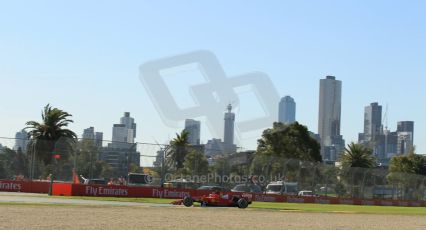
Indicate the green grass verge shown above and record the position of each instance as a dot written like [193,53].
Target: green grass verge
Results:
[289,207]
[327,208]
[38,204]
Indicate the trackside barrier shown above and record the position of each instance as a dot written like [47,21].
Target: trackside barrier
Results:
[67,189]
[24,186]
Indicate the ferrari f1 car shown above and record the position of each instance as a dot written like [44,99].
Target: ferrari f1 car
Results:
[217,200]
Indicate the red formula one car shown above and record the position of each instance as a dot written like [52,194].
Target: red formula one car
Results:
[216,199]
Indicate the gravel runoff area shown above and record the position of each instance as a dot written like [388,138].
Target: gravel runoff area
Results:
[19,211]
[113,217]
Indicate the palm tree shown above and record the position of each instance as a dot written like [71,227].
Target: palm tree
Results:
[178,150]
[50,135]
[357,156]
[356,161]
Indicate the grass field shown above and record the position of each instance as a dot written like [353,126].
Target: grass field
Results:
[326,208]
[289,207]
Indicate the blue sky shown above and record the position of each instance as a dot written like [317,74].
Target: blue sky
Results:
[83,56]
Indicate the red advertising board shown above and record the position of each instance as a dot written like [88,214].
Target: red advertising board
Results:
[62,189]
[154,192]
[68,189]
[24,186]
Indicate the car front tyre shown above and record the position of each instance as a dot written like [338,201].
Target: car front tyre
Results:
[242,203]
[188,201]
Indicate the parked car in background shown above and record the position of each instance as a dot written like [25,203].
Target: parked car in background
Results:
[247,188]
[93,181]
[281,187]
[307,193]
[386,192]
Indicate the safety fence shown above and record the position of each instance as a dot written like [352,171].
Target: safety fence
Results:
[65,158]
[190,168]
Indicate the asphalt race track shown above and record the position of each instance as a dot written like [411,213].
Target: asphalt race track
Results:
[32,198]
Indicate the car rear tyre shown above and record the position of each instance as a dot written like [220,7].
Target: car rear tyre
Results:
[242,203]
[188,202]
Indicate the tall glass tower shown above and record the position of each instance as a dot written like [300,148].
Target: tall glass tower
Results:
[330,103]
[372,121]
[194,129]
[287,110]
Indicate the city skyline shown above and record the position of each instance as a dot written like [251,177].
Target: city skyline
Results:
[90,65]
[383,142]
[372,122]
[375,128]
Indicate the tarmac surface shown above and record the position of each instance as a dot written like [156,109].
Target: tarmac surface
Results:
[34,198]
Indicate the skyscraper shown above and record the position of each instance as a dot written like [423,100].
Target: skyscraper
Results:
[99,137]
[21,140]
[384,143]
[229,126]
[89,133]
[330,99]
[216,146]
[380,141]
[96,137]
[122,152]
[372,121]
[124,133]
[405,126]
[129,122]
[120,133]
[287,110]
[405,130]
[194,128]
